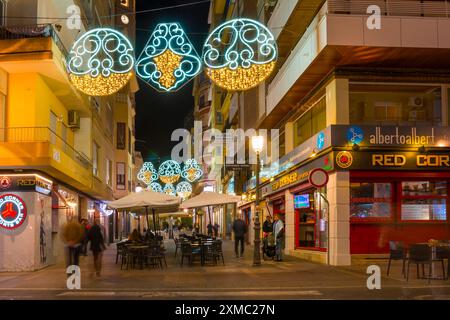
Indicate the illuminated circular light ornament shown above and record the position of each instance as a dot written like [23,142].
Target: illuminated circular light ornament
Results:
[168,60]
[191,171]
[147,174]
[169,172]
[155,187]
[100,62]
[169,189]
[184,189]
[13,211]
[239,54]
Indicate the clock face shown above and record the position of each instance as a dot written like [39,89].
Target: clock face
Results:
[125,19]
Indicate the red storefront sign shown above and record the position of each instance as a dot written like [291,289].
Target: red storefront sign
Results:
[13,211]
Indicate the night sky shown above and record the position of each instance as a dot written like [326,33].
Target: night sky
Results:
[158,114]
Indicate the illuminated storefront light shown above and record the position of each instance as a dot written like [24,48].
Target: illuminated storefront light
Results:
[101,62]
[168,60]
[239,54]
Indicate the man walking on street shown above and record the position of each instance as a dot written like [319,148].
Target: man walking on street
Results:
[278,232]
[239,229]
[97,246]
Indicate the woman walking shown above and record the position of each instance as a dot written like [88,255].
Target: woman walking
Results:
[97,246]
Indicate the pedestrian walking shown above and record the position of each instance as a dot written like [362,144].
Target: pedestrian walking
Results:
[72,236]
[86,226]
[97,246]
[278,230]
[239,229]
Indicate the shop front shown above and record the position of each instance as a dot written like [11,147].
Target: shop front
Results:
[303,209]
[397,196]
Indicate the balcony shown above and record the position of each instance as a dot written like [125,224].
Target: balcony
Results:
[39,49]
[413,35]
[41,148]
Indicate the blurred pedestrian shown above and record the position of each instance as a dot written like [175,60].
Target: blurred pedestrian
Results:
[209,227]
[97,246]
[86,226]
[240,229]
[72,236]
[135,236]
[216,230]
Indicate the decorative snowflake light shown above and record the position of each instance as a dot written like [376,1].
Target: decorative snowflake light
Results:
[239,54]
[169,189]
[191,171]
[184,189]
[100,62]
[168,60]
[155,187]
[169,172]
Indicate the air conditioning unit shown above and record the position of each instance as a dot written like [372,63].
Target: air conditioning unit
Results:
[74,119]
[415,102]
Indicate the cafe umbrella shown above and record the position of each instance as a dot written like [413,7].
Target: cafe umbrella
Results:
[149,200]
[209,199]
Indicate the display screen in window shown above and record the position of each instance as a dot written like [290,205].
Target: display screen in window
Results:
[370,200]
[301,201]
[424,200]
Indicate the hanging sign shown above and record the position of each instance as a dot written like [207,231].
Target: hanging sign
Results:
[13,211]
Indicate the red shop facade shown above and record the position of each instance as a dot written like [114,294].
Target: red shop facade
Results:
[396,195]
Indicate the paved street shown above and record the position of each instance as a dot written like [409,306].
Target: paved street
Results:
[238,279]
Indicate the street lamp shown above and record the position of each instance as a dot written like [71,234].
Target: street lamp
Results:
[257,145]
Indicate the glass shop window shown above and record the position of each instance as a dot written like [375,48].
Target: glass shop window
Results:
[310,123]
[370,200]
[424,200]
[312,212]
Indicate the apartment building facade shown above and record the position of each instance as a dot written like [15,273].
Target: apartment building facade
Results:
[363,96]
[63,155]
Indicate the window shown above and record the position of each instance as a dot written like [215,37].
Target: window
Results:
[109,172]
[375,104]
[424,200]
[312,216]
[95,152]
[120,176]
[370,200]
[310,123]
[121,136]
[109,120]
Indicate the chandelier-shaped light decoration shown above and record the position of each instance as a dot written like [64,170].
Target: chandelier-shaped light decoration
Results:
[147,174]
[100,62]
[184,189]
[169,60]
[191,170]
[155,187]
[169,189]
[169,172]
[239,54]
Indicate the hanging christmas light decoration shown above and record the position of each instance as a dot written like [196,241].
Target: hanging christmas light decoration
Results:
[184,189]
[147,174]
[168,60]
[191,170]
[169,172]
[100,62]
[239,54]
[155,187]
[169,189]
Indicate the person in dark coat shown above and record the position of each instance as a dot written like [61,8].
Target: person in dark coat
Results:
[240,229]
[97,246]
[209,227]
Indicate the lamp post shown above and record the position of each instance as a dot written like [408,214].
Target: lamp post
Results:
[257,145]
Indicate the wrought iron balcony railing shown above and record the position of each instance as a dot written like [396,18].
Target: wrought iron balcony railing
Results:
[42,134]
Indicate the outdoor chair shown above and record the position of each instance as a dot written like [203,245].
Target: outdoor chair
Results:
[187,251]
[443,253]
[218,252]
[208,253]
[396,252]
[155,257]
[119,250]
[177,245]
[421,254]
